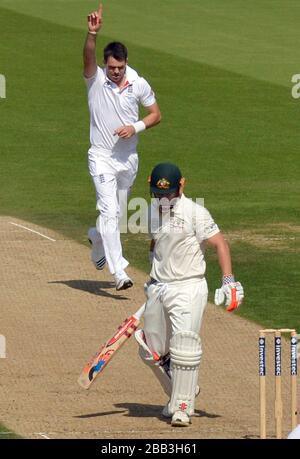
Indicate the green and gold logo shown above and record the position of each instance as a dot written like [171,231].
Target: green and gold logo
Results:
[163,184]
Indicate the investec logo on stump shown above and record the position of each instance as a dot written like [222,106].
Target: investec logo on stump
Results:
[278,356]
[262,356]
[295,354]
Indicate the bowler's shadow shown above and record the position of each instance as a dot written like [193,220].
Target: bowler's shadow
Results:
[98,288]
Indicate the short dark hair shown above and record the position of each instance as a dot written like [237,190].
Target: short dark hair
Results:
[116,50]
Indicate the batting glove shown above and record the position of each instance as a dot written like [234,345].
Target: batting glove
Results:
[231,292]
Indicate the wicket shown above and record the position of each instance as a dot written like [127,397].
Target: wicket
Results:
[278,393]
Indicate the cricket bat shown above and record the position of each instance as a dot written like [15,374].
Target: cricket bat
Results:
[100,360]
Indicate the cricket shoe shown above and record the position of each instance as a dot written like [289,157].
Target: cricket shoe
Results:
[123,282]
[97,255]
[180,419]
[166,412]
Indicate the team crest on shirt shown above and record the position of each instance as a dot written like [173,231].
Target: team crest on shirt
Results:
[163,184]
[176,224]
[211,227]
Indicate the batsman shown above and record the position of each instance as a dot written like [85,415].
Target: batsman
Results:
[177,291]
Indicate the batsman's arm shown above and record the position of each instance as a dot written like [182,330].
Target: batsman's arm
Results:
[221,246]
[89,51]
[231,292]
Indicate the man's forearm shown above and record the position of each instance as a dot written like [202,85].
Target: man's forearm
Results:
[223,252]
[224,258]
[151,120]
[89,55]
[153,116]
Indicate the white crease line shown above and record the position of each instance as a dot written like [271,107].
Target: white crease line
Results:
[43,435]
[36,232]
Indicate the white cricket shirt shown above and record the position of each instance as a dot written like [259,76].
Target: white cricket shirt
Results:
[111,107]
[179,240]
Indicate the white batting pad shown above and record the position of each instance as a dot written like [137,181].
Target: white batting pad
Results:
[159,366]
[185,351]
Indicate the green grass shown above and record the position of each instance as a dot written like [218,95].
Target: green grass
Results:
[6,434]
[257,38]
[236,139]
[222,78]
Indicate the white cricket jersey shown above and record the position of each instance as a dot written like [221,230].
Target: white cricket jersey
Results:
[179,240]
[111,107]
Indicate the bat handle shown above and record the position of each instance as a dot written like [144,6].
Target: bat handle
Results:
[138,314]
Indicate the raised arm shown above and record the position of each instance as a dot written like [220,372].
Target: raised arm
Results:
[89,52]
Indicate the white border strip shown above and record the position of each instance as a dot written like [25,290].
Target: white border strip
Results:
[32,231]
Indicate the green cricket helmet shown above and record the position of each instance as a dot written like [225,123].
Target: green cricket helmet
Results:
[165,178]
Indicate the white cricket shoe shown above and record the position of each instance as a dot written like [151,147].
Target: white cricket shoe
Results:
[180,419]
[167,413]
[97,254]
[122,281]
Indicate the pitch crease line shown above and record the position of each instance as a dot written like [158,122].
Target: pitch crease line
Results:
[32,231]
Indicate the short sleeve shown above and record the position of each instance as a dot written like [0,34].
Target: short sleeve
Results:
[147,96]
[204,225]
[98,76]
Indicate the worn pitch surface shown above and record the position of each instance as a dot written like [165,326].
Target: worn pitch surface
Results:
[56,310]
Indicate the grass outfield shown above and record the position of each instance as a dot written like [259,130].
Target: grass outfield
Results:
[256,38]
[222,75]
[236,139]
[6,434]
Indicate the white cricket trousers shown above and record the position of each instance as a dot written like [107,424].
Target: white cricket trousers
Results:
[112,180]
[171,308]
